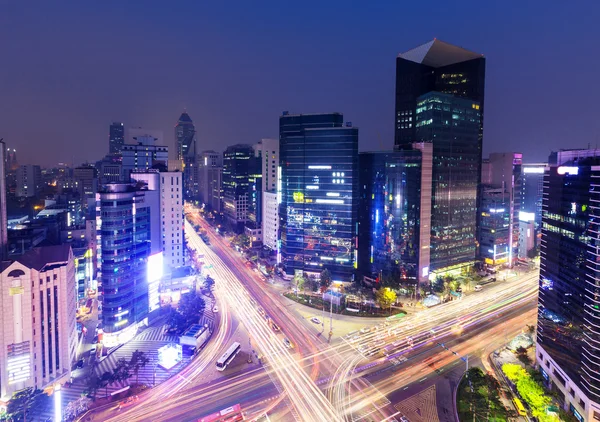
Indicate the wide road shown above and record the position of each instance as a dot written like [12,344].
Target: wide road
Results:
[358,378]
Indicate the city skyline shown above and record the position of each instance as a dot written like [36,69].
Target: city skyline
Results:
[69,98]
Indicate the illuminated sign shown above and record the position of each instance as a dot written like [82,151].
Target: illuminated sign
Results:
[13,291]
[496,210]
[330,201]
[526,216]
[298,197]
[533,170]
[425,272]
[319,167]
[312,187]
[568,170]
[333,194]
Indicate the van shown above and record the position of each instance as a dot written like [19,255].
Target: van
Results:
[478,288]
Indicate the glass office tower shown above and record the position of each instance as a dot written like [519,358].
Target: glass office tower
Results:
[123,221]
[319,194]
[238,166]
[394,215]
[568,338]
[435,66]
[452,125]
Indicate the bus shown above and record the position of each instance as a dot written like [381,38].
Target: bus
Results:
[228,356]
[231,414]
[519,406]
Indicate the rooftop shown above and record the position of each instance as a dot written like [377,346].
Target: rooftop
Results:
[38,258]
[438,53]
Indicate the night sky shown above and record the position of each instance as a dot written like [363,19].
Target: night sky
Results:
[67,69]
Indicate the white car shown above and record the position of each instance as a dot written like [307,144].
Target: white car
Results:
[215,309]
[315,320]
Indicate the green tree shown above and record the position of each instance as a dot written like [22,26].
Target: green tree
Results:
[522,355]
[299,281]
[175,320]
[138,360]
[191,306]
[26,400]
[385,297]
[325,279]
[121,371]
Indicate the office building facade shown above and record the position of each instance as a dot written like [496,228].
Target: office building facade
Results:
[394,215]
[452,124]
[38,326]
[237,168]
[142,156]
[207,162]
[185,139]
[128,233]
[29,180]
[501,179]
[435,67]
[319,194]
[532,187]
[270,221]
[569,315]
[116,138]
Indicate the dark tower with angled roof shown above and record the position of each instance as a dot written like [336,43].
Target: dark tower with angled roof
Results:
[435,66]
[439,100]
[185,138]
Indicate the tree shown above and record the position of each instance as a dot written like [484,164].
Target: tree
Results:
[385,297]
[24,401]
[299,281]
[138,360]
[175,320]
[325,279]
[121,371]
[106,379]
[76,407]
[93,384]
[191,306]
[522,355]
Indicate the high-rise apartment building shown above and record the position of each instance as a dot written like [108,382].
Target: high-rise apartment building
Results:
[29,180]
[268,152]
[86,178]
[394,217]
[185,138]
[569,315]
[440,67]
[116,138]
[128,234]
[319,194]
[237,168]
[452,125]
[38,335]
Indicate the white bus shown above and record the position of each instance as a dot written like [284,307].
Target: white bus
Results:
[228,356]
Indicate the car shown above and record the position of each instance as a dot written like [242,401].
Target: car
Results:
[215,309]
[365,330]
[478,288]
[315,320]
[288,343]
[403,419]
[80,363]
[275,327]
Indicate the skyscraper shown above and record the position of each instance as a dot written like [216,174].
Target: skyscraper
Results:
[29,180]
[435,66]
[208,161]
[452,125]
[319,194]
[116,138]
[185,138]
[501,190]
[395,214]
[569,313]
[237,168]
[128,233]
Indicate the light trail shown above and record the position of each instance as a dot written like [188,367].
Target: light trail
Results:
[308,400]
